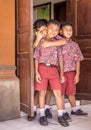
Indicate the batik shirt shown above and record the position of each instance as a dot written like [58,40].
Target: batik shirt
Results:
[48,55]
[71,54]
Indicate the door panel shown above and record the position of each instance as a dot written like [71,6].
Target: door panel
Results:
[24,53]
[78,12]
[84,86]
[84,17]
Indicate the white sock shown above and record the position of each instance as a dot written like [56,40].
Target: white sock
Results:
[60,112]
[64,111]
[42,112]
[74,109]
[47,107]
[35,108]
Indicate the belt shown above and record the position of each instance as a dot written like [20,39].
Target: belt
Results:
[48,64]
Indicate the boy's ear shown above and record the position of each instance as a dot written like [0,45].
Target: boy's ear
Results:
[60,31]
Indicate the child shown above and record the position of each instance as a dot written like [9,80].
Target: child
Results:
[72,56]
[41,30]
[46,62]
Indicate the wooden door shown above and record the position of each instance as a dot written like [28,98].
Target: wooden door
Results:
[78,12]
[24,53]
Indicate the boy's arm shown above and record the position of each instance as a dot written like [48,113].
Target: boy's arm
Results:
[54,43]
[38,77]
[61,65]
[76,79]
[37,40]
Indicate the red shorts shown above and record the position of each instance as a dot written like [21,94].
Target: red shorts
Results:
[48,74]
[68,87]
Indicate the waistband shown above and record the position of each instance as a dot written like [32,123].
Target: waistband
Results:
[48,64]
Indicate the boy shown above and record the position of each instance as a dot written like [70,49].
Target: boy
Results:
[72,57]
[41,30]
[46,62]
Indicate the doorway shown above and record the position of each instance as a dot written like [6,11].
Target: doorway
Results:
[24,41]
[60,11]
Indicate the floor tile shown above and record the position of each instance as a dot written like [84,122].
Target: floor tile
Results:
[78,122]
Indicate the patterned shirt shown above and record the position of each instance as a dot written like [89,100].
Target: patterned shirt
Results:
[48,55]
[71,54]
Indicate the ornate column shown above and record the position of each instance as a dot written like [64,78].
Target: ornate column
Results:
[9,83]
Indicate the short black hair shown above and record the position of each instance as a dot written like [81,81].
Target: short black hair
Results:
[65,24]
[40,22]
[52,21]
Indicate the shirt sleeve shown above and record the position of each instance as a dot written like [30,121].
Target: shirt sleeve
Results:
[60,56]
[36,53]
[78,55]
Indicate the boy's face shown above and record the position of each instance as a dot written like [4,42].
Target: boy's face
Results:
[42,30]
[52,30]
[67,31]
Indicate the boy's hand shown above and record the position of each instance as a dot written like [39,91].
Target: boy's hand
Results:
[76,79]
[45,44]
[38,77]
[62,79]
[38,36]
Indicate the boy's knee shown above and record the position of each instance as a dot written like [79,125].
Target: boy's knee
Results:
[42,93]
[57,93]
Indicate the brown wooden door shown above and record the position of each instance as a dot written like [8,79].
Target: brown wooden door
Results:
[78,12]
[24,53]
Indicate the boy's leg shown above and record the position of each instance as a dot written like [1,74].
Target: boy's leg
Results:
[75,109]
[42,102]
[36,102]
[48,97]
[42,87]
[55,85]
[71,91]
[72,100]
[36,98]
[42,94]
[65,113]
[42,119]
[59,99]
[47,104]
[60,107]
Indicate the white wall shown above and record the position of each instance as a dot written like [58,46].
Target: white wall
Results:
[38,2]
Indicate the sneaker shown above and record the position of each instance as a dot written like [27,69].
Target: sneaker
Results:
[67,117]
[48,113]
[62,121]
[43,121]
[79,112]
[30,118]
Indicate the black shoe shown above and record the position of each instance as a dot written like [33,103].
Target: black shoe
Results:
[48,113]
[62,121]
[79,112]
[43,121]
[67,117]
[30,118]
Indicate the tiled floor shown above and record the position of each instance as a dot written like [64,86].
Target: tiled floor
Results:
[78,123]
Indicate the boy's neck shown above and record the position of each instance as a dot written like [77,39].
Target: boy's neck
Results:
[67,39]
